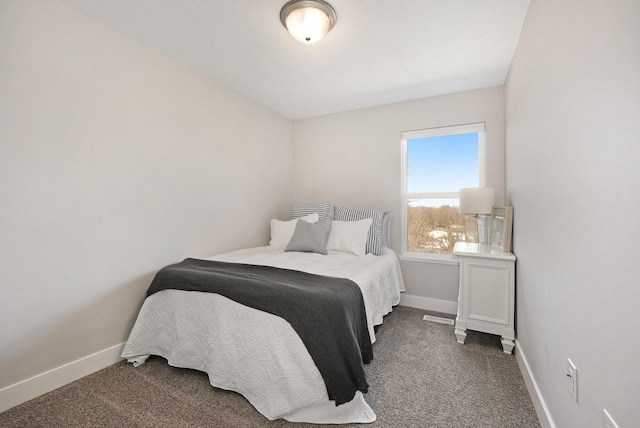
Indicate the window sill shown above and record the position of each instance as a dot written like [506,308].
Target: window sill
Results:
[443,259]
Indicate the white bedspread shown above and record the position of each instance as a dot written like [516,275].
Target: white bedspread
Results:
[258,354]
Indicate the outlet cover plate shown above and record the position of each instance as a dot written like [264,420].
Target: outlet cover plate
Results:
[572,374]
[607,420]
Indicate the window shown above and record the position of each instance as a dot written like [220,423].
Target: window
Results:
[436,164]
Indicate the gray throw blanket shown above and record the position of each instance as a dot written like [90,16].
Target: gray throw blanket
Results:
[327,313]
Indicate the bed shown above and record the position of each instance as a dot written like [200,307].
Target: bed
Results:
[256,353]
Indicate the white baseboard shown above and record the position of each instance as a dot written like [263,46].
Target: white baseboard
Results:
[546,421]
[426,303]
[27,389]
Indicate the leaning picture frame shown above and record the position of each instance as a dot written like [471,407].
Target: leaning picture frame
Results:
[501,228]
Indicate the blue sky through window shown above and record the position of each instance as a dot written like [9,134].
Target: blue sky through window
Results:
[443,164]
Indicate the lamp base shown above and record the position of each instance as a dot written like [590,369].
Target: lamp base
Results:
[483,228]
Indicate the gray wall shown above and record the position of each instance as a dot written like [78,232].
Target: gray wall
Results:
[573,157]
[114,161]
[353,159]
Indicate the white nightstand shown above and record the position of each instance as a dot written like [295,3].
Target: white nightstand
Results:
[487,292]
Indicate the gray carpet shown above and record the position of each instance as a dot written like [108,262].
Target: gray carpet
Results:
[420,377]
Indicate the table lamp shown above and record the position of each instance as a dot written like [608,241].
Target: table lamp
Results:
[478,201]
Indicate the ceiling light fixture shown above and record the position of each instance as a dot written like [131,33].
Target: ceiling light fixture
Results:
[308,20]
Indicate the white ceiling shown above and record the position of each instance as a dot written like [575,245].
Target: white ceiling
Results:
[379,52]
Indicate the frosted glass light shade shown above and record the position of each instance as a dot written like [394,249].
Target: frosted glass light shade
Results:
[307,20]
[477,200]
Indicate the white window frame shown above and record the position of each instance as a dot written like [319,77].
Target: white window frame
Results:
[406,196]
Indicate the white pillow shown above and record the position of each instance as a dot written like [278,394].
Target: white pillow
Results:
[282,231]
[374,242]
[349,236]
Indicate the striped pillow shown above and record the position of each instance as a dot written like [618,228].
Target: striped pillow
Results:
[301,209]
[374,241]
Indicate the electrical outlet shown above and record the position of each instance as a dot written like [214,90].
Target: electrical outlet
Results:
[572,375]
[607,420]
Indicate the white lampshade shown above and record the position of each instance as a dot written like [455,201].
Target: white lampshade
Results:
[308,20]
[477,200]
